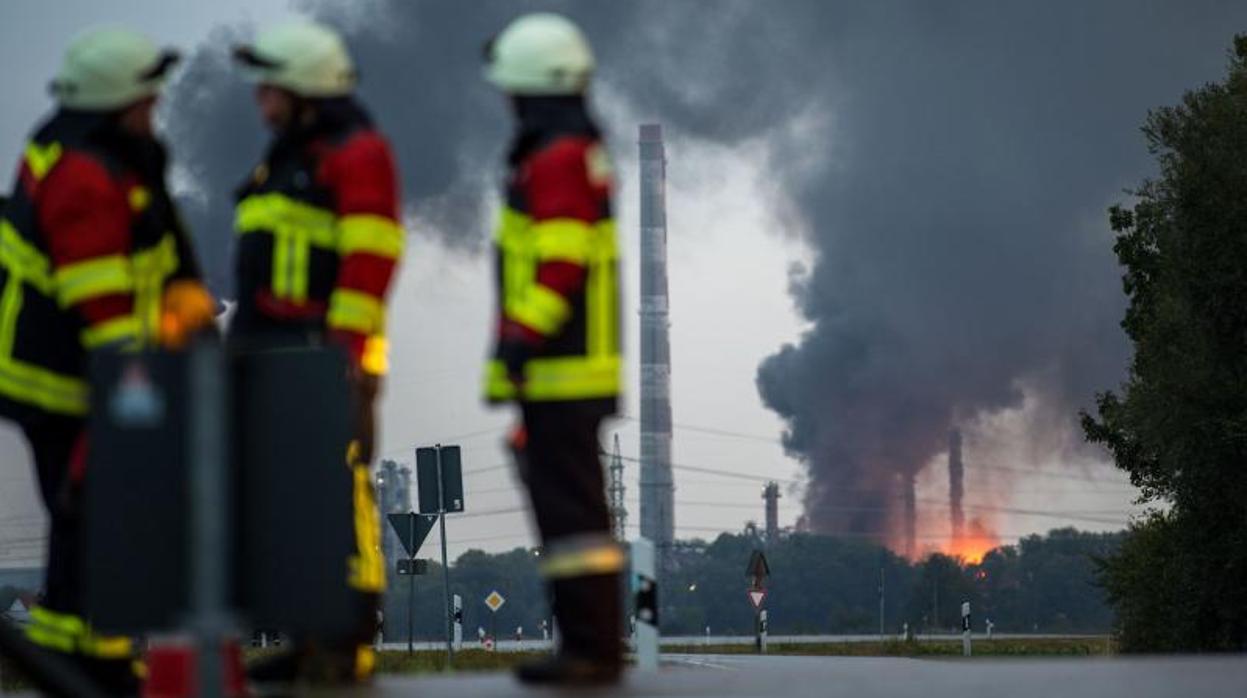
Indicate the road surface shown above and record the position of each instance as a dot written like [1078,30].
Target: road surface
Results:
[748,676]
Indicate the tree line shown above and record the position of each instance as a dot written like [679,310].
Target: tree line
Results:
[818,585]
[1178,424]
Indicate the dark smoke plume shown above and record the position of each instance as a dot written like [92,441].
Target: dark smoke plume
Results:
[968,151]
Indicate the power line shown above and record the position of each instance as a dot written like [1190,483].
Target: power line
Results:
[712,431]
[490,469]
[468,436]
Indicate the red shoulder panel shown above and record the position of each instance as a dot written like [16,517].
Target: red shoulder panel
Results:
[362,174]
[557,184]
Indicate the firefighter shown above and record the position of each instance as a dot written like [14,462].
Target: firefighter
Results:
[93,257]
[318,243]
[557,343]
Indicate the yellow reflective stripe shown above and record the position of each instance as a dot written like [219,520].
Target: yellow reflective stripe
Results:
[367,567]
[281,266]
[605,558]
[372,234]
[69,633]
[300,251]
[37,386]
[50,639]
[66,623]
[29,384]
[42,158]
[57,631]
[557,378]
[563,240]
[510,224]
[295,227]
[106,646]
[599,292]
[365,662]
[100,276]
[376,358]
[20,258]
[140,198]
[278,214]
[355,311]
[514,248]
[124,330]
[603,308]
[10,310]
[540,308]
[152,268]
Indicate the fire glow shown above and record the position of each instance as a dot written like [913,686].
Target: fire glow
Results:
[975,542]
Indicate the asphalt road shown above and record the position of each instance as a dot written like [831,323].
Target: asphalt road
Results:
[738,676]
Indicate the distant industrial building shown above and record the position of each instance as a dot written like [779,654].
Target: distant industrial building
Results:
[393,497]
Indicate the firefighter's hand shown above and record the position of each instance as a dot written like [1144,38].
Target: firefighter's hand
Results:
[186,310]
[514,354]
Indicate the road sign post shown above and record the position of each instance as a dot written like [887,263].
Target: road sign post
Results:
[411,529]
[965,628]
[439,477]
[458,605]
[494,602]
[757,573]
[645,595]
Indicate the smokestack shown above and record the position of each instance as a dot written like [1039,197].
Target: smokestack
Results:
[956,478]
[911,515]
[657,487]
[771,495]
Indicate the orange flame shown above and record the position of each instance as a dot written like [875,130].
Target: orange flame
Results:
[975,542]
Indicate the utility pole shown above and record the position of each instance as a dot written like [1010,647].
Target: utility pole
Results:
[881,598]
[411,594]
[441,500]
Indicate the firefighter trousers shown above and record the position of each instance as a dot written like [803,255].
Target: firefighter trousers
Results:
[581,561]
[52,442]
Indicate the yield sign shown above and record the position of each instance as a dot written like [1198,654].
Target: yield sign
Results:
[756,596]
[412,529]
[494,601]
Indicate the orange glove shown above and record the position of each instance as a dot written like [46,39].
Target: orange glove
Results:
[187,309]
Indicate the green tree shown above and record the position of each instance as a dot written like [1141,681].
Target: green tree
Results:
[1178,425]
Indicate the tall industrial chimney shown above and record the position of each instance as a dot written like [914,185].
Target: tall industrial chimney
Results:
[657,486]
[771,495]
[911,515]
[956,484]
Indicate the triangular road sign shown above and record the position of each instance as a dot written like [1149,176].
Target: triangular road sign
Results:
[756,597]
[412,529]
[758,569]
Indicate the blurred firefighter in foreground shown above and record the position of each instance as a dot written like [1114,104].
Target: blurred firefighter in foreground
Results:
[557,351]
[93,257]
[318,242]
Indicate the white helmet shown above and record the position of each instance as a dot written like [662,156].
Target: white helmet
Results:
[305,57]
[540,54]
[110,68]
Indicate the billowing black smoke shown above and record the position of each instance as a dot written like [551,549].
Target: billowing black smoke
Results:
[968,151]
[962,251]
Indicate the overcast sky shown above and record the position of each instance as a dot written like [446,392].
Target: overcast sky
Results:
[785,146]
